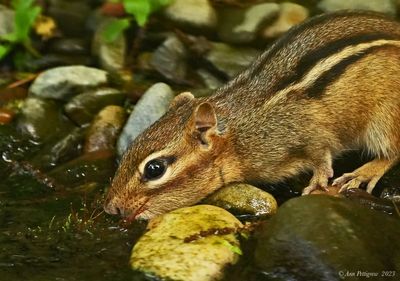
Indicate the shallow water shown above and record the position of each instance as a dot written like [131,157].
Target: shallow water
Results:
[56,235]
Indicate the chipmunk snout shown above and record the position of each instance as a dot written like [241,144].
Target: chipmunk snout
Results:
[110,208]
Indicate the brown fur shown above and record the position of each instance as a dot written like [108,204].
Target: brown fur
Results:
[328,85]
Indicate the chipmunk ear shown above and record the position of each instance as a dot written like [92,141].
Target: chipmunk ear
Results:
[180,99]
[205,122]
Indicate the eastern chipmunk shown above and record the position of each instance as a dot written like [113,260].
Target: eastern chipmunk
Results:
[328,85]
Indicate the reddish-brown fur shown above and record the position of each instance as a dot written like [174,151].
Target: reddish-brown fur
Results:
[328,86]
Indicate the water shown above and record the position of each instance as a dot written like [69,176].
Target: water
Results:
[48,234]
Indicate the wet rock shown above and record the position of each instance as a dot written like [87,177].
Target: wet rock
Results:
[363,198]
[55,60]
[64,82]
[229,60]
[61,151]
[383,6]
[151,106]
[98,167]
[82,108]
[170,59]
[70,16]
[163,252]
[209,79]
[332,191]
[290,15]
[392,194]
[244,200]
[104,131]
[192,13]
[6,20]
[111,55]
[42,119]
[372,202]
[70,46]
[242,25]
[319,237]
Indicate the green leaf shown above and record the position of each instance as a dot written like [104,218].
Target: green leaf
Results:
[21,4]
[24,19]
[10,37]
[158,4]
[244,235]
[114,29]
[233,248]
[4,49]
[140,9]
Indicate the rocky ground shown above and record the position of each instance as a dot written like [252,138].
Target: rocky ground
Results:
[68,115]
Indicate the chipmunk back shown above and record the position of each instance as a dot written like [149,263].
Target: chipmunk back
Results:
[328,85]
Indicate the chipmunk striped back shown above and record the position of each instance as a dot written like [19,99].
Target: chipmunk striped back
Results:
[302,48]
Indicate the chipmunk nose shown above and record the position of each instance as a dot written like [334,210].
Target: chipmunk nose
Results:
[111,209]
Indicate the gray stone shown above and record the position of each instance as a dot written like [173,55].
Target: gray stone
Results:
[209,79]
[6,20]
[111,55]
[70,46]
[290,15]
[151,106]
[383,6]
[319,237]
[174,249]
[244,200]
[42,119]
[66,81]
[192,13]
[82,108]
[242,25]
[169,59]
[53,60]
[104,131]
[230,60]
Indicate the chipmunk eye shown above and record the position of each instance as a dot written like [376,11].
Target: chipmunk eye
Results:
[154,169]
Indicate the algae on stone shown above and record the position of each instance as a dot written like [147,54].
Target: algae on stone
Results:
[166,251]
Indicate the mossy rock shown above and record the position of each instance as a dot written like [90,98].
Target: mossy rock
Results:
[244,200]
[183,244]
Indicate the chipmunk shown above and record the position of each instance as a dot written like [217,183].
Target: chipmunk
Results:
[328,85]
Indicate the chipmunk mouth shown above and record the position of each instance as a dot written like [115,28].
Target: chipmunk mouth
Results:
[139,213]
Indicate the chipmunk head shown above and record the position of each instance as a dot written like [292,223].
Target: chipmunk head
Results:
[176,162]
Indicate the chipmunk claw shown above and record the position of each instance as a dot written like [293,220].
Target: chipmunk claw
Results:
[309,189]
[352,180]
[370,173]
[319,181]
[347,181]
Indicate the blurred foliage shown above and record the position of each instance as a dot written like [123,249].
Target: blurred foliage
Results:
[25,15]
[139,10]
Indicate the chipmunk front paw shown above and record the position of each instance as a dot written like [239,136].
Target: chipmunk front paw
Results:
[369,173]
[319,180]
